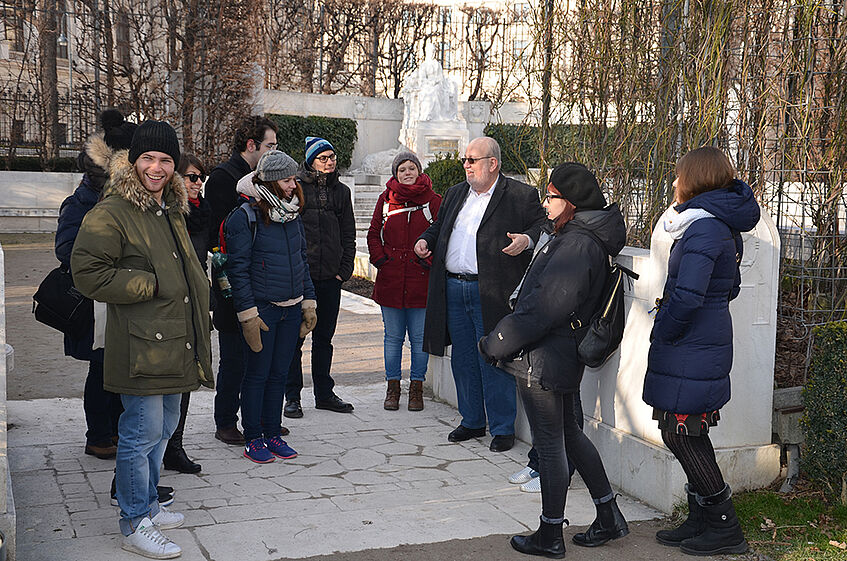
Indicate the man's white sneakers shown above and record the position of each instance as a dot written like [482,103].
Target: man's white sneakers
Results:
[532,486]
[148,541]
[522,476]
[167,520]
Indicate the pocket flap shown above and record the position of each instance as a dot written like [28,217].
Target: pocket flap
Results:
[158,329]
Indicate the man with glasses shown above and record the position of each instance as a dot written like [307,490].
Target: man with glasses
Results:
[331,247]
[255,136]
[478,244]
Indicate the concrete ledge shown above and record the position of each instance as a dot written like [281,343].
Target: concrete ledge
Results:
[7,503]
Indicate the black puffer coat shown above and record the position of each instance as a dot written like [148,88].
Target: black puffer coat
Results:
[565,276]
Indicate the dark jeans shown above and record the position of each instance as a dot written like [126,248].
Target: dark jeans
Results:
[533,453]
[230,375]
[264,378]
[328,297]
[102,408]
[557,437]
[175,442]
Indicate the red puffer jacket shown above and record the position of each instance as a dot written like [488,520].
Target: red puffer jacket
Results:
[402,279]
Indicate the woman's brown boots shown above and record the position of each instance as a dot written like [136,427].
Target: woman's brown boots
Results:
[392,396]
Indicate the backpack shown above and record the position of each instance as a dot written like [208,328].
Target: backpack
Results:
[251,220]
[604,331]
[60,305]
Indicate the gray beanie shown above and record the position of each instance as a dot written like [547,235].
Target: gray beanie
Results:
[404,156]
[275,165]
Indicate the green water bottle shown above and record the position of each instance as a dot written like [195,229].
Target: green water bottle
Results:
[218,262]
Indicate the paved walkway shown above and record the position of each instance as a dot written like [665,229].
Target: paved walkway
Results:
[372,479]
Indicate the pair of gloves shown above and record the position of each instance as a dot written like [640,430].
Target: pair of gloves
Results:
[252,327]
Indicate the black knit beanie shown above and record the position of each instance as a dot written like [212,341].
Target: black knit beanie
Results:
[117,131]
[578,185]
[154,136]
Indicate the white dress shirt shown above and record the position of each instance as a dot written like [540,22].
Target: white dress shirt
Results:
[461,248]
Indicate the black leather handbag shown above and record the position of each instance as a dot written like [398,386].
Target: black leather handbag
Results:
[60,305]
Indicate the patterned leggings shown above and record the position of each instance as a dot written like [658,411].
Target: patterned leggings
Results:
[697,457]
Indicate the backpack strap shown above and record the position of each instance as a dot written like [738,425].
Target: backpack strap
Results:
[386,213]
[251,220]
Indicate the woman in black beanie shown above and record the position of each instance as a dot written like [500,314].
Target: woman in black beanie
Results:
[537,343]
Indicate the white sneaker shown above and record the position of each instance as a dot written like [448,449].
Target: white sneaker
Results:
[167,520]
[148,541]
[532,486]
[522,476]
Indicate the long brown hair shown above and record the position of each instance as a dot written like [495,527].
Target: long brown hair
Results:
[701,170]
[265,208]
[567,213]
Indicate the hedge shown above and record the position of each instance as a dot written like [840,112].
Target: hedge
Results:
[294,129]
[445,171]
[34,163]
[825,400]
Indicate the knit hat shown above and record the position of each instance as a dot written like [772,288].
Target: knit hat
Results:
[117,131]
[578,185]
[315,146]
[404,156]
[154,136]
[275,165]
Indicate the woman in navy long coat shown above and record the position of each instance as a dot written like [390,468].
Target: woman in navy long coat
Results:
[690,357]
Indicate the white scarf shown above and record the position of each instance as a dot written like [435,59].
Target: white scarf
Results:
[280,211]
[676,223]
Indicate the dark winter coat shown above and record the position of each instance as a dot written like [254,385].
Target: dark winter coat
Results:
[691,350]
[136,257]
[402,277]
[515,208]
[273,267]
[93,161]
[329,224]
[199,221]
[222,197]
[566,277]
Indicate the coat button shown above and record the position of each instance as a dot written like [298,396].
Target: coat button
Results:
[188,345]
[175,255]
[159,336]
[185,299]
[158,213]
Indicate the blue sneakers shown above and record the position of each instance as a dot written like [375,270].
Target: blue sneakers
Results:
[255,450]
[279,448]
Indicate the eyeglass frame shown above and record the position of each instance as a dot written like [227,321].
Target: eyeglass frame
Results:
[472,161]
[548,196]
[322,159]
[193,177]
[259,143]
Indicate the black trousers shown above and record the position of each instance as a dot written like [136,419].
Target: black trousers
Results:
[102,408]
[328,297]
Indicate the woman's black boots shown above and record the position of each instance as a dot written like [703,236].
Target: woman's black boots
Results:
[693,526]
[722,533]
[175,457]
[609,525]
[547,541]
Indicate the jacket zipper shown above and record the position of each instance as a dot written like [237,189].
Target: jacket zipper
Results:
[187,283]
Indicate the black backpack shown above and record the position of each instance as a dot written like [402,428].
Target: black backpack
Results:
[60,305]
[602,334]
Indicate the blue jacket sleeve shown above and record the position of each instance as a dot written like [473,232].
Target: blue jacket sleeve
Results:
[308,285]
[71,214]
[239,248]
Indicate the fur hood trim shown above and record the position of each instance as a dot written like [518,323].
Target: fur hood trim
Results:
[97,149]
[123,181]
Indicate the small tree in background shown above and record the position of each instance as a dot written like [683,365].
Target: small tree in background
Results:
[445,171]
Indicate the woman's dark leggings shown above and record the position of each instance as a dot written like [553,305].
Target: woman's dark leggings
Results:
[697,457]
[557,437]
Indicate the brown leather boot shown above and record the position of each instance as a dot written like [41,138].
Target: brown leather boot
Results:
[392,396]
[416,395]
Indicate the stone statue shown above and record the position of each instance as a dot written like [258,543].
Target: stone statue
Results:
[429,95]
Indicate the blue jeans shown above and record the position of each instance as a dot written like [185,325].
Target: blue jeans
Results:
[397,322]
[230,375]
[263,387]
[145,426]
[480,387]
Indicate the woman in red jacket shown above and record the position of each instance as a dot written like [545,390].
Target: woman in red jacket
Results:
[404,210]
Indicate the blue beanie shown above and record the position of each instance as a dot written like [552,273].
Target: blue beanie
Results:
[315,146]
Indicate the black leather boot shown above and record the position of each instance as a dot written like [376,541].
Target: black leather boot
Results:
[547,541]
[609,525]
[693,526]
[175,457]
[723,532]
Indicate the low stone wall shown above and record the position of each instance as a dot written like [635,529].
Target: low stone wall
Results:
[620,424]
[7,503]
[31,199]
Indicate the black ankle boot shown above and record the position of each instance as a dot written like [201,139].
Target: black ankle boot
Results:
[693,526]
[609,525]
[722,533]
[547,541]
[177,460]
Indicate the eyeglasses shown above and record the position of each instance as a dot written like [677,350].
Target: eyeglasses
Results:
[472,161]
[268,145]
[323,159]
[194,177]
[549,196]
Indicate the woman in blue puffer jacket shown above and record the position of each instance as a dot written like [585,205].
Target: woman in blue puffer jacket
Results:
[272,293]
[690,357]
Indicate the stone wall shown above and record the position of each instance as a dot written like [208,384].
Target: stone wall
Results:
[7,503]
[620,423]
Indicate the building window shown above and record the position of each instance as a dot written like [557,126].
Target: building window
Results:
[14,20]
[522,11]
[17,136]
[122,38]
[445,55]
[520,48]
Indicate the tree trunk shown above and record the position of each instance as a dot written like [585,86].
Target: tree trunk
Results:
[47,29]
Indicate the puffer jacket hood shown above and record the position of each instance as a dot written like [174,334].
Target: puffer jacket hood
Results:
[607,224]
[125,183]
[735,205]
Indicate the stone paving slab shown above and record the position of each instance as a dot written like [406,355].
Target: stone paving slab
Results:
[371,479]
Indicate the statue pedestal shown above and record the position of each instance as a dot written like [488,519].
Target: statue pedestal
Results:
[427,139]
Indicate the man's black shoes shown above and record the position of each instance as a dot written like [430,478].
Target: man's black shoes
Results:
[462,433]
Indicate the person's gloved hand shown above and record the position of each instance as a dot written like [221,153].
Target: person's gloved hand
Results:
[485,356]
[252,329]
[310,317]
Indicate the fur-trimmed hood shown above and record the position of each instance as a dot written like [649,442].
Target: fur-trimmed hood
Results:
[124,182]
[98,151]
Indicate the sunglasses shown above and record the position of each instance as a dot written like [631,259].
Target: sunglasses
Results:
[323,159]
[194,178]
[472,161]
